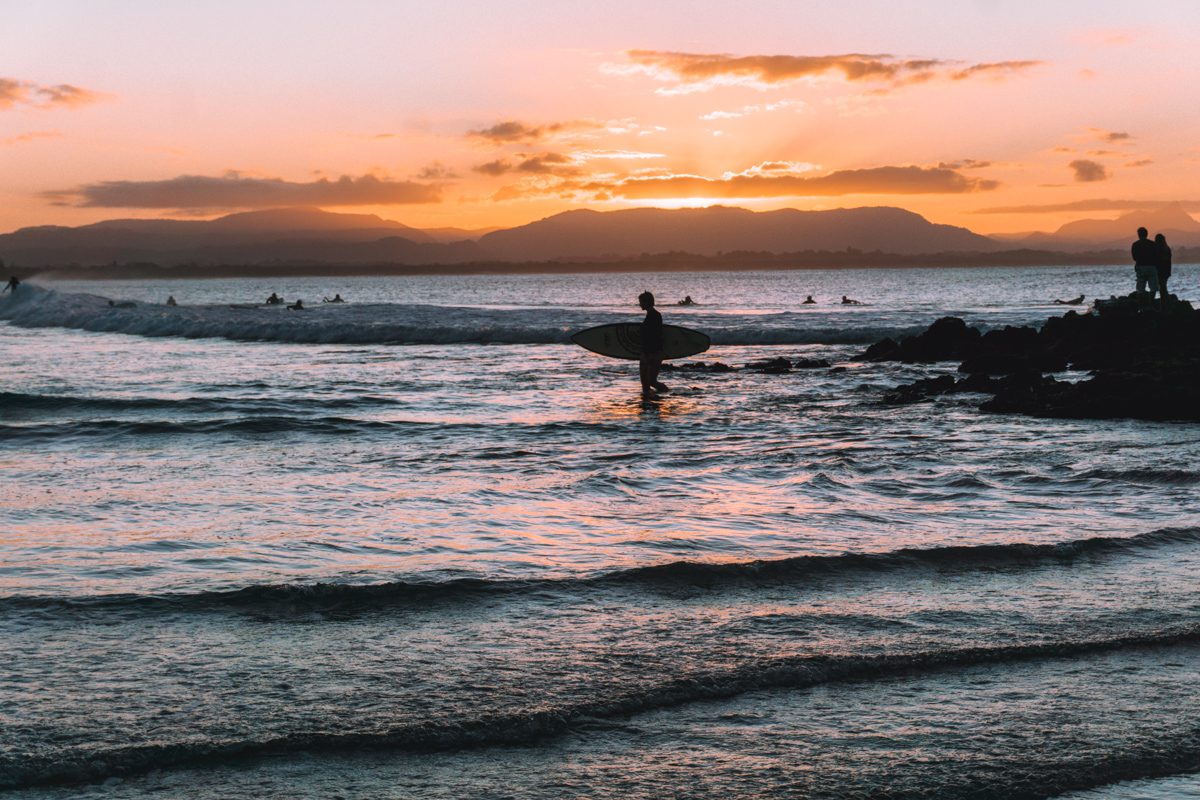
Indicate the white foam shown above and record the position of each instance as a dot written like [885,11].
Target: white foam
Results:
[387,323]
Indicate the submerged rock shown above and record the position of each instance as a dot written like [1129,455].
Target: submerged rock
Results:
[697,366]
[771,366]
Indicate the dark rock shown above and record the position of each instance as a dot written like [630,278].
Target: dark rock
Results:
[771,366]
[947,339]
[883,350]
[1155,391]
[809,363]
[697,366]
[917,391]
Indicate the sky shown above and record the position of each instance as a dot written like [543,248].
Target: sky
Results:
[998,116]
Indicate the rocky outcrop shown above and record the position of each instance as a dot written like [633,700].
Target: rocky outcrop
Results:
[1144,360]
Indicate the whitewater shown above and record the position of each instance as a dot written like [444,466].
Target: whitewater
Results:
[419,545]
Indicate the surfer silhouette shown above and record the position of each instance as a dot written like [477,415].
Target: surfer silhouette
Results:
[652,347]
[808,301]
[13,283]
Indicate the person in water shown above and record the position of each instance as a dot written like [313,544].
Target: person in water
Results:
[808,301]
[846,301]
[13,283]
[687,301]
[274,300]
[1162,264]
[171,300]
[652,347]
[1145,263]
[1075,301]
[297,306]
[337,298]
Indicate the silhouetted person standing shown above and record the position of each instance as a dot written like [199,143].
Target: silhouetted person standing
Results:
[1163,264]
[13,283]
[652,346]
[1145,263]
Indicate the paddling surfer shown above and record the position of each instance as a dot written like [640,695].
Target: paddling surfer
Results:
[652,347]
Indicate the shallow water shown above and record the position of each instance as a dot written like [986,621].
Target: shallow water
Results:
[424,547]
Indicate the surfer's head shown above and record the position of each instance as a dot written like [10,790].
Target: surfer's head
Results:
[646,300]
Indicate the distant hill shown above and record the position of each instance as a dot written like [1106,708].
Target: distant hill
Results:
[707,231]
[253,237]
[312,236]
[1092,234]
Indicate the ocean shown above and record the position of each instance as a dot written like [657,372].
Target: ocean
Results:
[420,545]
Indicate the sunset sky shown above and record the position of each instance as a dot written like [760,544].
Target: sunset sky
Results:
[1000,116]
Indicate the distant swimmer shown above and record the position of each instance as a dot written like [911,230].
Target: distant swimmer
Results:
[808,301]
[171,300]
[846,301]
[297,306]
[274,300]
[337,298]
[652,347]
[1075,301]
[13,283]
[687,301]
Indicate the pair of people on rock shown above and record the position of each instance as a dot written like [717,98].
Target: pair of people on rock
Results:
[1152,263]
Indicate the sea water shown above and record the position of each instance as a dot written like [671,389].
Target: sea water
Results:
[419,545]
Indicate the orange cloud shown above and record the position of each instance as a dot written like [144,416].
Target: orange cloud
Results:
[693,72]
[21,138]
[1112,137]
[540,164]
[512,131]
[437,171]
[994,69]
[876,180]
[1088,171]
[770,179]
[235,191]
[497,167]
[26,93]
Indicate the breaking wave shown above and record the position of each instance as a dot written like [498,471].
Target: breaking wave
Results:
[530,726]
[342,598]
[395,324]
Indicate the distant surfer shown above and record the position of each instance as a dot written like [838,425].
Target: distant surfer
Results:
[846,301]
[687,301]
[1074,301]
[13,283]
[297,306]
[337,298]
[171,300]
[808,301]
[274,300]
[652,347]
